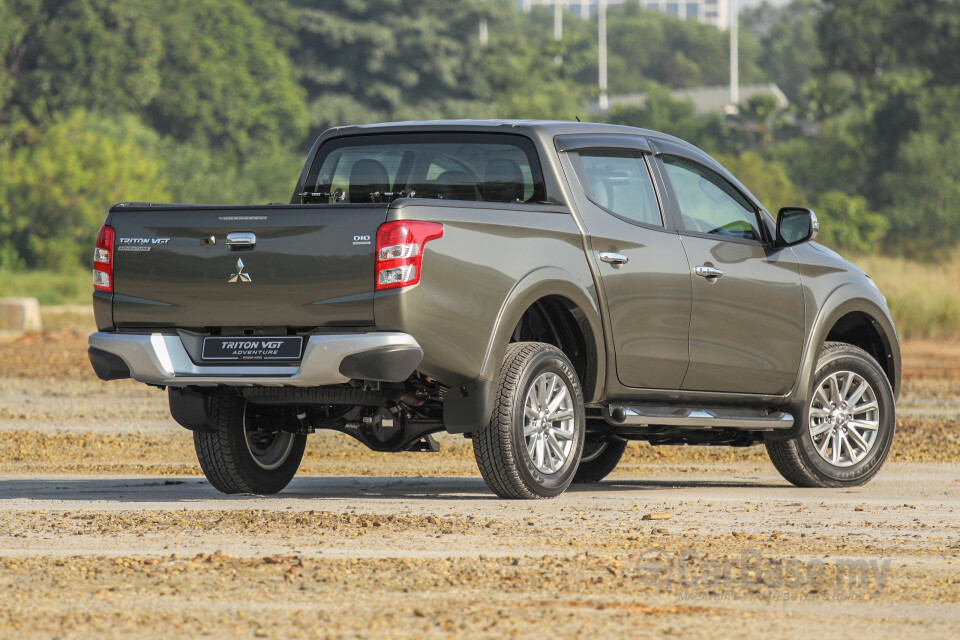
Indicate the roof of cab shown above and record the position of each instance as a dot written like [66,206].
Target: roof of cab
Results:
[540,128]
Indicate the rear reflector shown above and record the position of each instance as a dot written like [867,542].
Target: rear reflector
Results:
[400,246]
[103,260]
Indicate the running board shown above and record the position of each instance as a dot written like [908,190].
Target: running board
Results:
[700,418]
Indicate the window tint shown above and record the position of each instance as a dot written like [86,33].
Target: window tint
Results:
[619,181]
[473,167]
[708,203]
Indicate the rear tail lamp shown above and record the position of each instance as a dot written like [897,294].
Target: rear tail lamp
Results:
[103,260]
[400,247]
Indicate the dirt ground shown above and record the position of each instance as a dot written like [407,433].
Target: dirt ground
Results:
[108,530]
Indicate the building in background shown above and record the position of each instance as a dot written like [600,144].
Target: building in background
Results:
[706,99]
[712,12]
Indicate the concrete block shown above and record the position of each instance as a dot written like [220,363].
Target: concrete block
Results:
[20,314]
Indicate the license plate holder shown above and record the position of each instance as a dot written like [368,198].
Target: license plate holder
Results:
[252,348]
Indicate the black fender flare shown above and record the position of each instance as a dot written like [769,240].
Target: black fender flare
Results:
[467,407]
[540,283]
[845,299]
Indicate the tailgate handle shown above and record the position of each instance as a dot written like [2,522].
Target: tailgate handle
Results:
[241,239]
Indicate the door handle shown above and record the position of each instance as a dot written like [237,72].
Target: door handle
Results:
[614,258]
[708,272]
[241,239]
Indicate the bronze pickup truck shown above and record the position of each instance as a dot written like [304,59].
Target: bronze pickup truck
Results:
[551,290]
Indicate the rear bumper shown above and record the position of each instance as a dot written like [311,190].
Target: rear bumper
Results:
[161,359]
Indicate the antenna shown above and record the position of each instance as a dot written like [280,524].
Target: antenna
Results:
[578,118]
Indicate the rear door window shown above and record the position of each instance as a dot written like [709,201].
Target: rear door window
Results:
[619,181]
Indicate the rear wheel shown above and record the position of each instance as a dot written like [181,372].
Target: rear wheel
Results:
[599,459]
[247,452]
[847,428]
[531,448]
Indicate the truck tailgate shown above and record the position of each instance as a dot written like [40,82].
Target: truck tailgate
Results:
[288,265]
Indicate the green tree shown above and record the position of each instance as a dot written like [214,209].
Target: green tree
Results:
[856,36]
[206,71]
[760,115]
[370,60]
[648,45]
[223,80]
[922,188]
[869,38]
[55,193]
[765,178]
[847,224]
[662,112]
[790,54]
[61,54]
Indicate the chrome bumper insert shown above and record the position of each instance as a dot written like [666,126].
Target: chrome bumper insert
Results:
[160,359]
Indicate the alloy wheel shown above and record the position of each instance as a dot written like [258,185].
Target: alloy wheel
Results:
[548,422]
[844,418]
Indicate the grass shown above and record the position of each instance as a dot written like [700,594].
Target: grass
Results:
[924,298]
[50,288]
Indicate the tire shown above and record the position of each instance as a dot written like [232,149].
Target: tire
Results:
[246,453]
[599,459]
[812,458]
[542,462]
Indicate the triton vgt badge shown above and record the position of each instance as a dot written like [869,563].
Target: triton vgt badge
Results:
[240,276]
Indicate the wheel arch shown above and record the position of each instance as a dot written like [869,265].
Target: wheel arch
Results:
[857,320]
[553,292]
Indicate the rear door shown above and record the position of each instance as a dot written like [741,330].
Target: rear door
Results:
[746,326]
[300,266]
[641,262]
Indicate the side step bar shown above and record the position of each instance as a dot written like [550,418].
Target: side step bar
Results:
[700,418]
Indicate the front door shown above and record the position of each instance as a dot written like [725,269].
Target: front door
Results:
[746,326]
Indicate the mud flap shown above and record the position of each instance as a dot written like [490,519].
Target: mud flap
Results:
[189,409]
[467,407]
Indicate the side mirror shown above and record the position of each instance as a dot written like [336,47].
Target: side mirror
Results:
[796,225]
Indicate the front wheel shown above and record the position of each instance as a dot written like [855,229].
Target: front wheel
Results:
[247,452]
[532,446]
[847,428]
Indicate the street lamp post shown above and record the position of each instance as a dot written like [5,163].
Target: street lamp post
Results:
[734,54]
[558,6]
[603,101]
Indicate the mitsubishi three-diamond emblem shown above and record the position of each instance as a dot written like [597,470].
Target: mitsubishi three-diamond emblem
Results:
[240,276]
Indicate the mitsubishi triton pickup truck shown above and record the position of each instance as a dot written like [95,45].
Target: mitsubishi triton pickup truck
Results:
[550,290]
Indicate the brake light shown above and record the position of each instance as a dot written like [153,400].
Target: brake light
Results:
[103,260]
[400,247]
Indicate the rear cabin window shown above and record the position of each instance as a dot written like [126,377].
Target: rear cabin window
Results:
[475,167]
[619,181]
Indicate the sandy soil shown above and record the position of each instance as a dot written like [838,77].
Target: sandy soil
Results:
[108,530]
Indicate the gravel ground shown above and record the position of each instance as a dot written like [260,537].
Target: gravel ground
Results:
[108,530]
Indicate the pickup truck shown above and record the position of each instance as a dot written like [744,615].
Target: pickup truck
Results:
[550,290]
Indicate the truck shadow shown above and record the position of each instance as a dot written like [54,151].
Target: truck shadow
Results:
[53,493]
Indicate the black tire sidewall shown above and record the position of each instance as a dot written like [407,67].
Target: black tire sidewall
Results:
[258,479]
[861,364]
[604,464]
[547,360]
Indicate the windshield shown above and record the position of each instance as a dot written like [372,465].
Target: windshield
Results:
[477,167]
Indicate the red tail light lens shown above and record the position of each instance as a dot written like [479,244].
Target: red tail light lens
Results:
[103,260]
[400,251]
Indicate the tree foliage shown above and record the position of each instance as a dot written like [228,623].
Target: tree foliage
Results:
[646,45]
[204,71]
[54,193]
[216,100]
[847,224]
